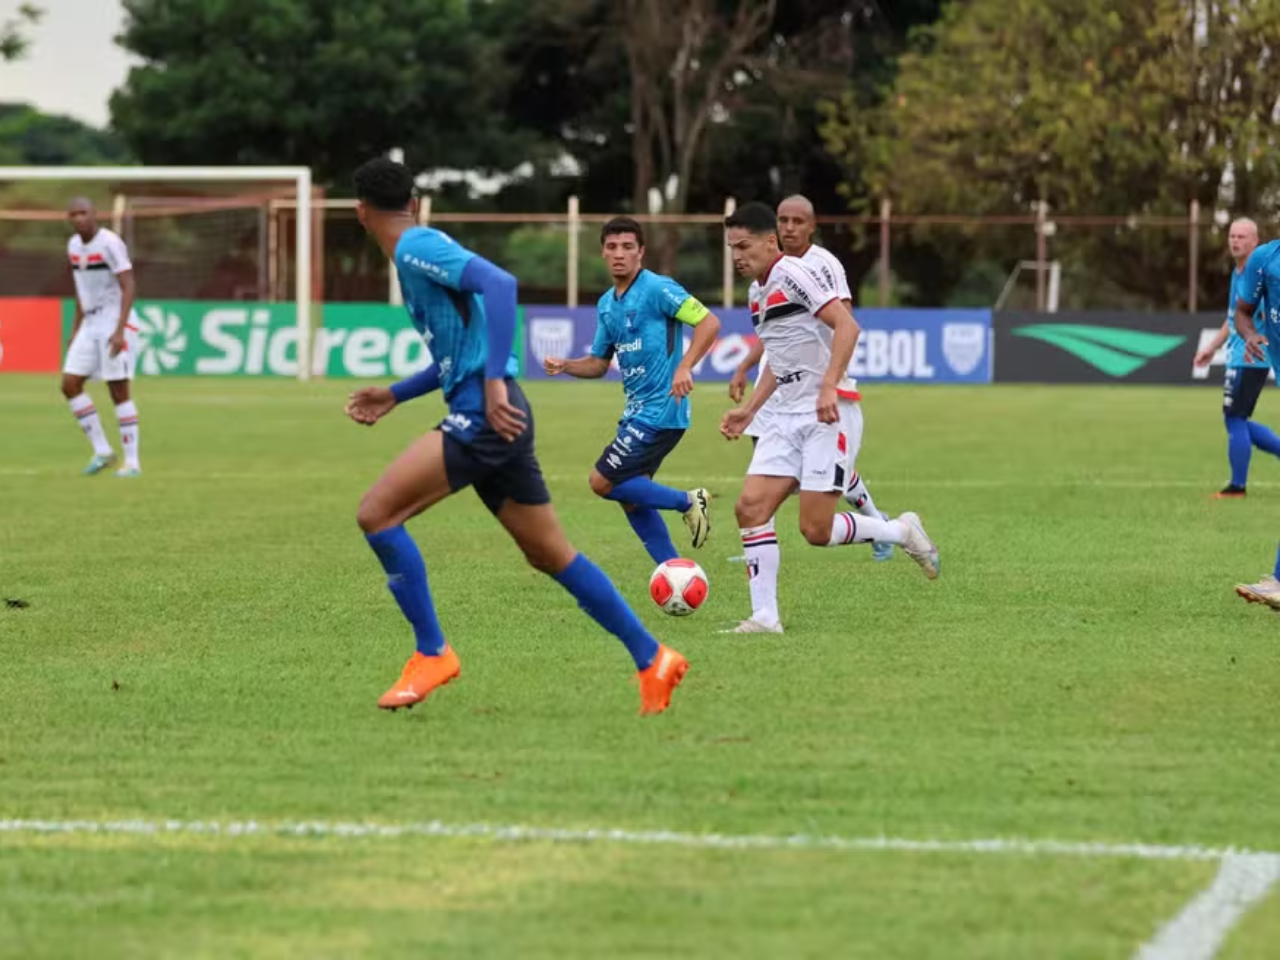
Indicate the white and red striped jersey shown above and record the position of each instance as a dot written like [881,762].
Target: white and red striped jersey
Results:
[94,266]
[797,344]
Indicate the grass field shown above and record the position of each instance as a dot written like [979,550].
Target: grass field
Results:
[207,643]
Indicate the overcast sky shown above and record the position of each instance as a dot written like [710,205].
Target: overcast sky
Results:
[73,64]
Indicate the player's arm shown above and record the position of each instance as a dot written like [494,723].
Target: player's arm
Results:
[1249,296]
[584,368]
[844,337]
[706,327]
[739,418]
[591,367]
[738,382]
[499,291]
[1205,355]
[371,404]
[79,317]
[128,291]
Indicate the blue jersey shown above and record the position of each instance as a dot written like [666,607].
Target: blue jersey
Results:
[451,321]
[1235,343]
[644,329]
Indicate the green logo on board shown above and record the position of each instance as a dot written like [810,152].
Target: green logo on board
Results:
[1115,352]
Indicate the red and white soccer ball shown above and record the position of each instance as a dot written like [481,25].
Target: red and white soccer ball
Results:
[679,587]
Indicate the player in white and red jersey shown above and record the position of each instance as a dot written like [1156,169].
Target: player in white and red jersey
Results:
[809,336]
[103,338]
[796,226]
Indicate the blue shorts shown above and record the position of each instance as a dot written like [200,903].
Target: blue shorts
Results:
[476,456]
[637,451]
[1241,389]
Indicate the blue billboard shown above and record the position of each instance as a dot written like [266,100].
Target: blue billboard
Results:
[896,346]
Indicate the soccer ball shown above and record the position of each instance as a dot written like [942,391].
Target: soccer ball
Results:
[679,587]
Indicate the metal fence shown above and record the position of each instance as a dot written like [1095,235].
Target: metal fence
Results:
[239,245]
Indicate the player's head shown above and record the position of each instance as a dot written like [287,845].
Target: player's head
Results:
[752,234]
[83,217]
[796,223]
[383,187]
[622,246]
[1242,237]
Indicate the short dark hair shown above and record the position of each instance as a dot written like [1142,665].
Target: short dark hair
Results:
[620,225]
[753,217]
[384,184]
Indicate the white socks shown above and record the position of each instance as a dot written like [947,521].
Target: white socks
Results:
[848,528]
[859,497]
[127,414]
[760,544]
[87,416]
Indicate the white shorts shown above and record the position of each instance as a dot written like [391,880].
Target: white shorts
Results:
[90,356]
[822,456]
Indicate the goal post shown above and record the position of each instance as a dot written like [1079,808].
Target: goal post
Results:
[299,177]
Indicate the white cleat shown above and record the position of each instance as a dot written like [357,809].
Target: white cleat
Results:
[755,626]
[919,547]
[698,517]
[1265,591]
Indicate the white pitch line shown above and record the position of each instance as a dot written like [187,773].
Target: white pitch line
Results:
[606,835]
[952,483]
[1203,925]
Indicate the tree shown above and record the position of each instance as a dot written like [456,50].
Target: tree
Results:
[1089,106]
[28,136]
[309,81]
[13,39]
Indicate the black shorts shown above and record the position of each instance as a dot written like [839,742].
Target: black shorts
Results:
[637,451]
[1241,390]
[476,456]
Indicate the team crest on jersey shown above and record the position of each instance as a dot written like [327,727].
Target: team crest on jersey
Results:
[629,318]
[550,337]
[964,345]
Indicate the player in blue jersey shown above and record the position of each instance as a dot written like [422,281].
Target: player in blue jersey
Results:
[641,321]
[465,309]
[1245,376]
[1259,289]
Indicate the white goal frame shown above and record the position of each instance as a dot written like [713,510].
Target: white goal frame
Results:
[300,177]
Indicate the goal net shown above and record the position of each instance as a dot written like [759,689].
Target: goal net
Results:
[202,240]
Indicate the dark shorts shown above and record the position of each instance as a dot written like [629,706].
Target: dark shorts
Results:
[1241,390]
[637,451]
[475,456]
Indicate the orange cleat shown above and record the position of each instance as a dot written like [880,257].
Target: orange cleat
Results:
[659,680]
[1230,492]
[421,675]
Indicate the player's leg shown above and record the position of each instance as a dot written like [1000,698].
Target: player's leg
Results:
[1236,420]
[857,495]
[519,499]
[81,363]
[127,417]
[823,476]
[624,473]
[1260,435]
[767,486]
[118,372]
[414,481]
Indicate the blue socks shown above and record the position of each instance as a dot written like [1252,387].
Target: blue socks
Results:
[1264,438]
[597,595]
[1239,450]
[1242,436]
[407,580]
[1276,572]
[652,531]
[643,492]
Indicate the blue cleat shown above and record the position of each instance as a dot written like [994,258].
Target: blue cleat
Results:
[99,463]
[882,551]
[128,473]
